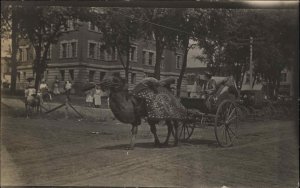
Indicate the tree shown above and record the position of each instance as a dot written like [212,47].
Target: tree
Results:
[157,23]
[188,21]
[278,50]
[10,28]
[119,30]
[42,26]
[213,36]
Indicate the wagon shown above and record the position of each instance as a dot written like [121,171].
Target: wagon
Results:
[222,115]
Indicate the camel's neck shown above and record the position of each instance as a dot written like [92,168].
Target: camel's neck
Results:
[122,106]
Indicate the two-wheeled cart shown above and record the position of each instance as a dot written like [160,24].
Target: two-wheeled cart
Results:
[221,113]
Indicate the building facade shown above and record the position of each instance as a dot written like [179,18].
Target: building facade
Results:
[80,57]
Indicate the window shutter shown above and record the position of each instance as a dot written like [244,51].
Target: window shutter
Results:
[135,55]
[98,50]
[88,50]
[146,58]
[116,54]
[19,54]
[25,54]
[105,55]
[154,58]
[60,50]
[69,50]
[50,51]
[76,51]
[71,25]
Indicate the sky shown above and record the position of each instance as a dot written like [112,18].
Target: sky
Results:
[191,59]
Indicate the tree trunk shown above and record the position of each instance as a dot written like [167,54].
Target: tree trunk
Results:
[37,66]
[127,67]
[183,66]
[159,50]
[14,46]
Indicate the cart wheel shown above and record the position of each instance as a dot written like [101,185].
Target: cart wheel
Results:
[226,123]
[185,131]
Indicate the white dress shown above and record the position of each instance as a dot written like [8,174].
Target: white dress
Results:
[97,97]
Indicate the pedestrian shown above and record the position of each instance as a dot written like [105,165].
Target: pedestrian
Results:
[56,87]
[89,98]
[44,90]
[68,87]
[97,97]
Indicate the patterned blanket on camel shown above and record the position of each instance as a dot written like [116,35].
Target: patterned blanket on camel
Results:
[160,102]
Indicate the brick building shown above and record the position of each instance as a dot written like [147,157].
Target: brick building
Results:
[79,57]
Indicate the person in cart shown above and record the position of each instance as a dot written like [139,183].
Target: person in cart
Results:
[209,89]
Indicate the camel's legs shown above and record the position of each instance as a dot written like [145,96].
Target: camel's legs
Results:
[170,126]
[133,135]
[153,130]
[175,123]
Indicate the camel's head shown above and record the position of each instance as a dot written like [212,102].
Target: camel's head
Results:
[113,83]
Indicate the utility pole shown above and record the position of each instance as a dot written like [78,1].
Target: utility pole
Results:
[251,62]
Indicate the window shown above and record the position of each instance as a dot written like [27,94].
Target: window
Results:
[111,54]
[19,76]
[91,75]
[92,50]
[102,75]
[114,54]
[178,61]
[117,74]
[49,53]
[144,57]
[71,74]
[133,78]
[150,60]
[162,62]
[133,53]
[24,75]
[93,27]
[283,77]
[73,49]
[101,52]
[62,75]
[64,50]
[23,54]
[68,27]
[45,75]
[68,49]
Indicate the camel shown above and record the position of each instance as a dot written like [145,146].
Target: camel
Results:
[131,107]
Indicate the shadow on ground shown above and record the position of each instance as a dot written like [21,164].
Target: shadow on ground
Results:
[150,145]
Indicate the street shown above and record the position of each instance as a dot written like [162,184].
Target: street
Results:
[44,151]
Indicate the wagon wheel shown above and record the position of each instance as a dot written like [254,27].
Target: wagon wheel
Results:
[226,122]
[185,130]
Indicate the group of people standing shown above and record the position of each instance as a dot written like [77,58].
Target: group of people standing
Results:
[93,97]
[45,92]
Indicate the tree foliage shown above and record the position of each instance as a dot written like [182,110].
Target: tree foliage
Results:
[42,26]
[157,24]
[119,30]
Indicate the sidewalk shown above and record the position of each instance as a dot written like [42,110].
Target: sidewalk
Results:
[101,114]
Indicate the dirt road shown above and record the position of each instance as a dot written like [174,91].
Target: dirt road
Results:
[70,152]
